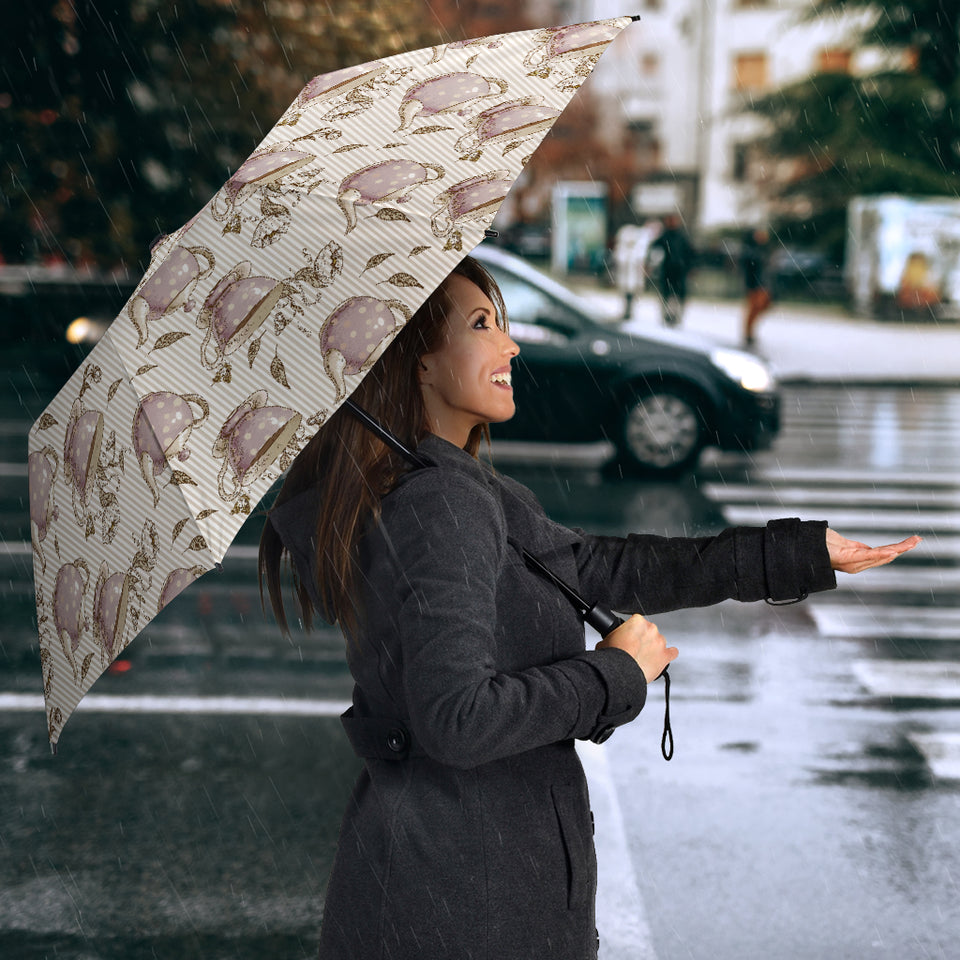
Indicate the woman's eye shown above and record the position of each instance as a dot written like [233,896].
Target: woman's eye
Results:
[480,324]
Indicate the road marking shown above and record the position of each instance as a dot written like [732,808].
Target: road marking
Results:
[245,706]
[858,477]
[621,915]
[903,579]
[16,548]
[919,520]
[566,454]
[831,496]
[902,623]
[910,679]
[941,751]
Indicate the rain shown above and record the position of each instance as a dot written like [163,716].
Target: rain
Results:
[193,806]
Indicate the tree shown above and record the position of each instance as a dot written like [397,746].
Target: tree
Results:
[894,129]
[119,119]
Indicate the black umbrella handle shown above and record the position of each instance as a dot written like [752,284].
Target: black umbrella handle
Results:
[602,619]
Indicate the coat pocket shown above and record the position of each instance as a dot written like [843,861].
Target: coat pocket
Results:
[573,815]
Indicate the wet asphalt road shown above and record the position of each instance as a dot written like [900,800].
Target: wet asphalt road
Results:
[806,813]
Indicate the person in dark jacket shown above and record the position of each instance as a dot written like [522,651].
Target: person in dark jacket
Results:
[676,255]
[754,260]
[468,832]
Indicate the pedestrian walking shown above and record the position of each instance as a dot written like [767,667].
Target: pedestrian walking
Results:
[629,257]
[754,261]
[676,255]
[468,832]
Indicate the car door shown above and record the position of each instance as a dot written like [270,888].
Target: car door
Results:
[555,379]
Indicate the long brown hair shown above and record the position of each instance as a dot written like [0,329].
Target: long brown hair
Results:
[352,470]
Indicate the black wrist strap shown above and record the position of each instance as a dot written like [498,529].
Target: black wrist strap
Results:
[666,743]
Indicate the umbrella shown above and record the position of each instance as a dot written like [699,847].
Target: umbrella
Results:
[256,319]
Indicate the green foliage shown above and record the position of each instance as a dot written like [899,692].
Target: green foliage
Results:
[895,130]
[119,119]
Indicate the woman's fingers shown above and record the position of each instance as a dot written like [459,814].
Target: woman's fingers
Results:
[644,642]
[851,556]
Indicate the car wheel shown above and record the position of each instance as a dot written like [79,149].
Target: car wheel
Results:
[661,432]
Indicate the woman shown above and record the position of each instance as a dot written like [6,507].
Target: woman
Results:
[468,833]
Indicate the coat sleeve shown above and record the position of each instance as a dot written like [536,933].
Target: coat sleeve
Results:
[782,562]
[448,542]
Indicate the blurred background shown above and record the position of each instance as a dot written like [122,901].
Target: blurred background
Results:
[812,807]
[121,119]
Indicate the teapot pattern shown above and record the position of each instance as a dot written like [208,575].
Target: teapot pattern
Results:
[42,468]
[253,438]
[345,93]
[475,199]
[256,318]
[572,51]
[449,93]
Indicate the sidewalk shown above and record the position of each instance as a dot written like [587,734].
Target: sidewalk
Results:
[809,342]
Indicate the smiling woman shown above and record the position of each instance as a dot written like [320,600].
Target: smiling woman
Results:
[469,829]
[467,381]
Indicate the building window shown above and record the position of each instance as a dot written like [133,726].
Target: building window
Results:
[834,60]
[650,64]
[651,4]
[750,72]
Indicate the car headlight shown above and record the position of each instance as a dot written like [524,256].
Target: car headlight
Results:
[85,330]
[751,373]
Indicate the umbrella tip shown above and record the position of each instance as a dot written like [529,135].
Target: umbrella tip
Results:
[53,749]
[491,234]
[635,17]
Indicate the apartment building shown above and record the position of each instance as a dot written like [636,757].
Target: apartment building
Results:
[677,84]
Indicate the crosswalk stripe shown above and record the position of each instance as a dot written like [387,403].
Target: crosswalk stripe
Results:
[941,750]
[917,521]
[890,622]
[857,477]
[901,579]
[745,493]
[910,680]
[108,703]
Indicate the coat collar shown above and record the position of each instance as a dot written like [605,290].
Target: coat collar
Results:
[295,521]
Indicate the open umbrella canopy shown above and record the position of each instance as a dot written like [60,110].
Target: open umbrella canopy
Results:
[258,318]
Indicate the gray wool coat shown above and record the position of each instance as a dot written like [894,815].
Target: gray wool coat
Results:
[468,835]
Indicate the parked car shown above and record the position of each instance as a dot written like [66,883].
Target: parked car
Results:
[659,397]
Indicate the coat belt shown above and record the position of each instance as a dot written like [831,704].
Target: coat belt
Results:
[380,738]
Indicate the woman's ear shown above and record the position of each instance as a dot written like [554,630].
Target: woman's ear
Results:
[426,369]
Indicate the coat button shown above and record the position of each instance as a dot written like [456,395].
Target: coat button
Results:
[603,734]
[397,739]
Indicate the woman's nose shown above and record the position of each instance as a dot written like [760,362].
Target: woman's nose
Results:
[510,347]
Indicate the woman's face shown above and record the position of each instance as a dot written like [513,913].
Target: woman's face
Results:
[466,382]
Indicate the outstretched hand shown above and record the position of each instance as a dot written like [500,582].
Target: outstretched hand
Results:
[850,556]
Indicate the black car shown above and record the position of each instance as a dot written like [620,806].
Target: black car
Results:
[660,398]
